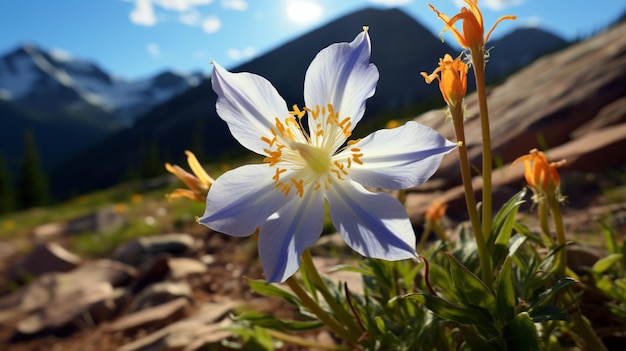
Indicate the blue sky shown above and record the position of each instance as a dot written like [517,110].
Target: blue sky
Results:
[138,38]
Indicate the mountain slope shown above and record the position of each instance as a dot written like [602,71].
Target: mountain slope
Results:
[519,48]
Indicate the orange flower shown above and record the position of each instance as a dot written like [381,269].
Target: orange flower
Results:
[540,175]
[435,211]
[473,36]
[198,183]
[452,77]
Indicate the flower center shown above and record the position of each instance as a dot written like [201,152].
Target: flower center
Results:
[317,159]
[290,145]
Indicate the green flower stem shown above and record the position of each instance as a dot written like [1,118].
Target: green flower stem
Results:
[338,309]
[470,200]
[545,226]
[555,208]
[580,325]
[317,310]
[478,59]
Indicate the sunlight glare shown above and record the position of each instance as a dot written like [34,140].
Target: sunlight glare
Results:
[300,11]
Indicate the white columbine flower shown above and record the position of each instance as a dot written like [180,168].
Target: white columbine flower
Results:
[303,166]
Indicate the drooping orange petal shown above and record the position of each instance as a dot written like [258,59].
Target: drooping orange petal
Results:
[191,181]
[198,170]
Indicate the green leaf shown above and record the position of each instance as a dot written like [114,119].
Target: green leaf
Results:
[456,312]
[271,322]
[609,238]
[505,296]
[548,313]
[504,220]
[474,340]
[264,288]
[606,262]
[561,284]
[380,324]
[470,289]
[521,334]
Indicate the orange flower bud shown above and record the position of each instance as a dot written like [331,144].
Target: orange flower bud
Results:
[435,211]
[540,174]
[452,77]
[472,36]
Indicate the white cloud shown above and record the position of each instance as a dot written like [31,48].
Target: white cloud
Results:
[497,5]
[531,22]
[154,50]
[181,5]
[143,13]
[211,24]
[237,54]
[190,18]
[239,5]
[391,3]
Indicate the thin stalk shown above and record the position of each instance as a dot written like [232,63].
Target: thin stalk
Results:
[478,60]
[555,208]
[317,310]
[424,238]
[470,200]
[340,311]
[545,226]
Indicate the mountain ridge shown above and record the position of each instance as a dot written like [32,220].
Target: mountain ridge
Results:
[400,45]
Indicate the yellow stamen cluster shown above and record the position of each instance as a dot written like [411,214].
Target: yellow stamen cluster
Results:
[289,143]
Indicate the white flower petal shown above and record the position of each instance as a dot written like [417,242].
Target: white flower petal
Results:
[398,158]
[287,233]
[242,199]
[373,224]
[249,104]
[342,75]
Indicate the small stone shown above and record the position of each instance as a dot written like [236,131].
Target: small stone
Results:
[159,293]
[44,258]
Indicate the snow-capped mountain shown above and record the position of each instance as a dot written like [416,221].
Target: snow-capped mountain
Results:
[50,83]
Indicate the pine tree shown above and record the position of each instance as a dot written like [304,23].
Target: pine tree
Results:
[32,185]
[6,189]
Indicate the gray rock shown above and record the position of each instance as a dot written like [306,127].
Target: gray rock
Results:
[49,230]
[181,267]
[102,221]
[155,317]
[140,250]
[73,307]
[44,258]
[51,291]
[190,334]
[159,293]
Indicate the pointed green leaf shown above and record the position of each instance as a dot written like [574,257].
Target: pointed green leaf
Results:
[456,312]
[548,313]
[504,220]
[470,289]
[521,334]
[505,295]
[606,262]
[267,289]
[548,294]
